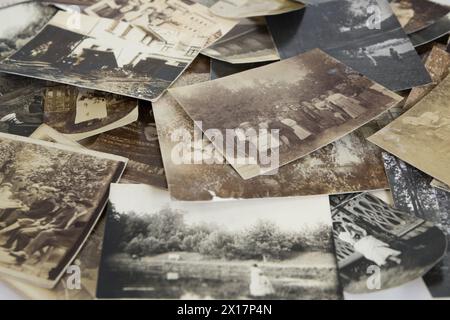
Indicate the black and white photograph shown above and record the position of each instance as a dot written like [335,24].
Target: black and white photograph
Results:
[177,23]
[248,42]
[81,113]
[21,104]
[15,33]
[415,15]
[51,197]
[379,247]
[138,142]
[269,249]
[437,30]
[412,193]
[319,100]
[363,34]
[101,54]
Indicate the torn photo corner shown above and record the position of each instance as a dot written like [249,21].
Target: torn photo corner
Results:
[363,34]
[379,247]
[291,108]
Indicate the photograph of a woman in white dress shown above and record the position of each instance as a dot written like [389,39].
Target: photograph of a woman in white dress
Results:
[370,247]
[370,233]
[260,285]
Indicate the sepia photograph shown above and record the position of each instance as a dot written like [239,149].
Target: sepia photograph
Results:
[319,100]
[176,22]
[421,136]
[220,69]
[138,142]
[101,54]
[88,260]
[51,197]
[248,42]
[81,113]
[350,164]
[415,15]
[379,247]
[437,184]
[413,194]
[349,32]
[15,33]
[269,249]
[21,104]
[46,133]
[239,9]
[437,64]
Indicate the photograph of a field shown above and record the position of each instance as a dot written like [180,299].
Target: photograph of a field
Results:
[158,248]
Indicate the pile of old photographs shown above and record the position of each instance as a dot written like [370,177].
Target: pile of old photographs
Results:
[212,149]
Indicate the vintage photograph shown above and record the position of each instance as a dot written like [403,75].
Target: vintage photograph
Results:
[437,184]
[415,15]
[15,33]
[81,113]
[437,30]
[239,9]
[88,260]
[21,104]
[413,194]
[437,64]
[269,249]
[350,164]
[248,42]
[138,142]
[101,54]
[349,32]
[176,22]
[379,247]
[51,197]
[421,136]
[46,133]
[319,100]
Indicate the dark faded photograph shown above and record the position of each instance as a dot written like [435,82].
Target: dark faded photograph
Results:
[51,196]
[319,100]
[102,54]
[21,104]
[413,194]
[379,247]
[248,42]
[363,34]
[80,113]
[15,33]
[437,30]
[138,142]
[163,249]
[415,15]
